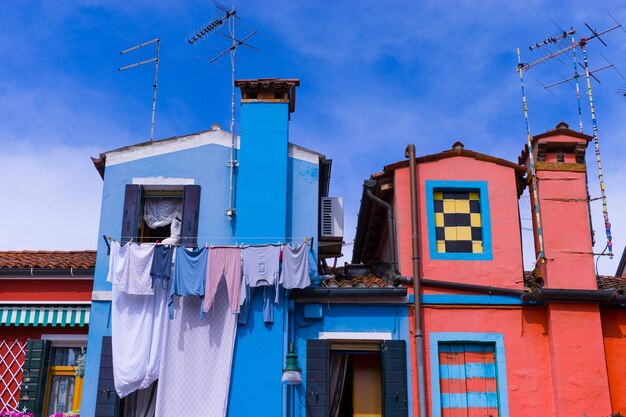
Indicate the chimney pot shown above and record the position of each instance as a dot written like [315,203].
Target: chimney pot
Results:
[458,145]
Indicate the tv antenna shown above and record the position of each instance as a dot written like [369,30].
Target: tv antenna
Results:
[582,43]
[156,73]
[228,18]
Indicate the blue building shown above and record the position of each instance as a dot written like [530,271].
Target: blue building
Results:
[256,189]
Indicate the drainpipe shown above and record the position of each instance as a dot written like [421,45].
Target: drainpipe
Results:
[417,288]
[390,228]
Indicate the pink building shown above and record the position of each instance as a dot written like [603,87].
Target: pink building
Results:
[499,341]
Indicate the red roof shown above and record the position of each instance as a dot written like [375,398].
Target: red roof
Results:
[48,259]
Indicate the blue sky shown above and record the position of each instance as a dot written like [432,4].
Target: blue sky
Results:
[375,77]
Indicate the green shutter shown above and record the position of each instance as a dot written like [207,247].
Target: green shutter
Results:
[34,376]
[394,384]
[317,384]
[107,401]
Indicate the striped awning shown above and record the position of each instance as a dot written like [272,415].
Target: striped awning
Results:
[47,315]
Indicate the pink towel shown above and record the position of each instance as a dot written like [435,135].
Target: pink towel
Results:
[223,262]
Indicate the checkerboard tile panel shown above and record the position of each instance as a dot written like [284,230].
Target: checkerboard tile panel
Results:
[458,225]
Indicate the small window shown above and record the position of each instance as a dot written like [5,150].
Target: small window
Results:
[459,226]
[167,214]
[63,387]
[457,222]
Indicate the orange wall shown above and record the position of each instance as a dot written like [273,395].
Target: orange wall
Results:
[614,332]
[45,290]
[505,270]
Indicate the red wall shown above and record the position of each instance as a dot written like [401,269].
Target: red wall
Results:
[45,289]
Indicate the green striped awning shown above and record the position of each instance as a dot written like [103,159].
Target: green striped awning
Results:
[49,315]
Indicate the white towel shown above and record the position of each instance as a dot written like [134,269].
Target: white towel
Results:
[197,359]
[136,278]
[137,325]
[117,262]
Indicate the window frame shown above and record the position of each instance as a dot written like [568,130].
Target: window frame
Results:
[133,206]
[469,337]
[481,187]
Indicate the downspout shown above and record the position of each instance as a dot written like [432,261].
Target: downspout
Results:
[390,228]
[417,288]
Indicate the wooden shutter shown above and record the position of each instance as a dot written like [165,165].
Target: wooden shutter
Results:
[34,376]
[317,384]
[395,395]
[191,211]
[107,401]
[132,213]
[467,378]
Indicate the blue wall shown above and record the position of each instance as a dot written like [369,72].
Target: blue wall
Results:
[259,351]
[392,319]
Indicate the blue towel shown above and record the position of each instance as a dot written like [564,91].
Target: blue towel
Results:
[189,276]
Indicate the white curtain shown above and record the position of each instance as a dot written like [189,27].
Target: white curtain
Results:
[159,212]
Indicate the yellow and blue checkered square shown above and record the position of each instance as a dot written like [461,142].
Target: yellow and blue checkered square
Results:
[458,225]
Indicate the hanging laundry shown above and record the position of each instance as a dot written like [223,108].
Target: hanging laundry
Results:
[295,272]
[223,262]
[261,265]
[137,324]
[246,301]
[117,262]
[189,276]
[136,279]
[162,264]
[196,367]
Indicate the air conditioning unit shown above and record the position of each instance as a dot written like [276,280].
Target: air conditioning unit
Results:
[332,217]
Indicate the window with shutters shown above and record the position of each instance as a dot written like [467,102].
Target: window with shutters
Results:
[161,213]
[356,378]
[459,226]
[469,375]
[63,387]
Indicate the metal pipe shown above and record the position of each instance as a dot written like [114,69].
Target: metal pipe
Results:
[417,288]
[471,287]
[390,228]
[350,292]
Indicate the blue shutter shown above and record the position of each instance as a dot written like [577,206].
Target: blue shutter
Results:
[394,374]
[317,384]
[191,212]
[107,401]
[132,213]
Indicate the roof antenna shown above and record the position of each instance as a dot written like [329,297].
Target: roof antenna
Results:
[156,73]
[582,43]
[229,17]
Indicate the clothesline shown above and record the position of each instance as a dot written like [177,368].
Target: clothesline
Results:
[307,239]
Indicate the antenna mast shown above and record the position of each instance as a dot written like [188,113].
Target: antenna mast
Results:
[156,73]
[582,43]
[229,16]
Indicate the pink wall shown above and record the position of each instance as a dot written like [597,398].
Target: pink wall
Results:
[505,269]
[566,233]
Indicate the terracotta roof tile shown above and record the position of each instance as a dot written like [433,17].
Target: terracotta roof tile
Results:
[361,281]
[48,259]
[611,283]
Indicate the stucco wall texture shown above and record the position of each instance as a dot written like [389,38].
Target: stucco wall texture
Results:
[561,359]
